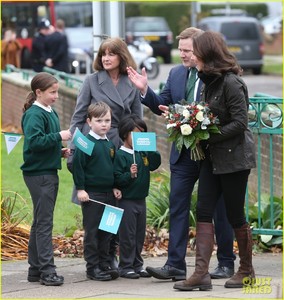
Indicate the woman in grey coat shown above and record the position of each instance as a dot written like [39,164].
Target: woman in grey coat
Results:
[110,84]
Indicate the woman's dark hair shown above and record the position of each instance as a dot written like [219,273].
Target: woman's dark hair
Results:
[118,47]
[211,49]
[128,124]
[42,81]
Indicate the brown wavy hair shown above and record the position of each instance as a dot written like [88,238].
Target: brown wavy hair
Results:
[41,81]
[211,49]
[118,47]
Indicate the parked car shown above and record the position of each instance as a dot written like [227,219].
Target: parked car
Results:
[155,30]
[243,36]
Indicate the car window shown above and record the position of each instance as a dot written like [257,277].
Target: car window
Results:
[149,26]
[239,31]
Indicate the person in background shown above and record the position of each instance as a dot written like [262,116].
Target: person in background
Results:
[10,50]
[109,84]
[183,83]
[42,154]
[56,48]
[38,53]
[132,177]
[229,157]
[94,179]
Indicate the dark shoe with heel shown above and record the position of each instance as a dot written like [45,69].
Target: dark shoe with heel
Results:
[222,272]
[51,279]
[167,272]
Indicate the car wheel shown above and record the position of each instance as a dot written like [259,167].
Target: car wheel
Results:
[168,58]
[256,71]
[26,59]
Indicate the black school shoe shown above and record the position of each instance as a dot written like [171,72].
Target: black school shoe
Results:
[33,278]
[112,272]
[98,274]
[51,279]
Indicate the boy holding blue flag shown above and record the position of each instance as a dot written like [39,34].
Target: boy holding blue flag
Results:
[132,177]
[94,179]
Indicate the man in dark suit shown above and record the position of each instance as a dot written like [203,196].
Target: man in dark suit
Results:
[184,171]
[38,53]
[56,46]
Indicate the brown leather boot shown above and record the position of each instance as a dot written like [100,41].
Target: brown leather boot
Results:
[200,279]
[245,273]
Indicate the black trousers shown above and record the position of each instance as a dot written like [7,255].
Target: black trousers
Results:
[131,235]
[96,241]
[211,187]
[43,190]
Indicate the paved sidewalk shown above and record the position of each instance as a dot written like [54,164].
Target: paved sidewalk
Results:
[268,268]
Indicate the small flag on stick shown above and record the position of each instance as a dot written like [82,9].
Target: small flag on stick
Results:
[111,217]
[144,141]
[82,142]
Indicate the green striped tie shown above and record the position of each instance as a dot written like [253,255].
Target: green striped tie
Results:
[191,85]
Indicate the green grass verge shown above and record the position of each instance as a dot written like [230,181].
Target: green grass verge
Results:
[67,216]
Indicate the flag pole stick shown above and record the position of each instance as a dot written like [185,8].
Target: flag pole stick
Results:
[105,204]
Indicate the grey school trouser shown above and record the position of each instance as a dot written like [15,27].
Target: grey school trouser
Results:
[43,190]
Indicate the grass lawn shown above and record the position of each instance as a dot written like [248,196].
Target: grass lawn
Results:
[67,216]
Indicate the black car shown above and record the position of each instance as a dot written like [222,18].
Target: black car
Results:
[155,30]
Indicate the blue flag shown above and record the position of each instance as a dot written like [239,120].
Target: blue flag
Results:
[111,219]
[82,142]
[144,141]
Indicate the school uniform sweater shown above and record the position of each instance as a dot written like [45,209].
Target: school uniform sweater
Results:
[94,173]
[42,143]
[136,188]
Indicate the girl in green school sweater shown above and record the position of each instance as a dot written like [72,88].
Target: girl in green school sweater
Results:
[42,154]
[133,180]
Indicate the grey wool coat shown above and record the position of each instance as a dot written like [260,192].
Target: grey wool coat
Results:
[124,99]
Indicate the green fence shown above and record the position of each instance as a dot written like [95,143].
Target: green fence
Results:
[265,119]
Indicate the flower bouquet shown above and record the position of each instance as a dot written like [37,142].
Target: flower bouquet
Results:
[187,124]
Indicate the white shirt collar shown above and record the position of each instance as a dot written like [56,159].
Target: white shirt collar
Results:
[47,108]
[130,151]
[96,136]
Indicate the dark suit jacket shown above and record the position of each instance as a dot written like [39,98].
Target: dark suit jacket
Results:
[56,46]
[173,92]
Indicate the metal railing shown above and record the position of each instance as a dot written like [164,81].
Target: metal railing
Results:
[265,120]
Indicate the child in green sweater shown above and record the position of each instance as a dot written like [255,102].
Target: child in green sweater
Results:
[42,154]
[93,178]
[133,180]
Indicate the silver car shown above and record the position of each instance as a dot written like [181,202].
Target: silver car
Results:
[243,36]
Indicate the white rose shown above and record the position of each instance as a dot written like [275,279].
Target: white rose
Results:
[185,129]
[171,125]
[200,107]
[185,113]
[200,116]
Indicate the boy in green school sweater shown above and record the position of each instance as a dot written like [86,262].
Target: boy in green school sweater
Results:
[133,180]
[93,178]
